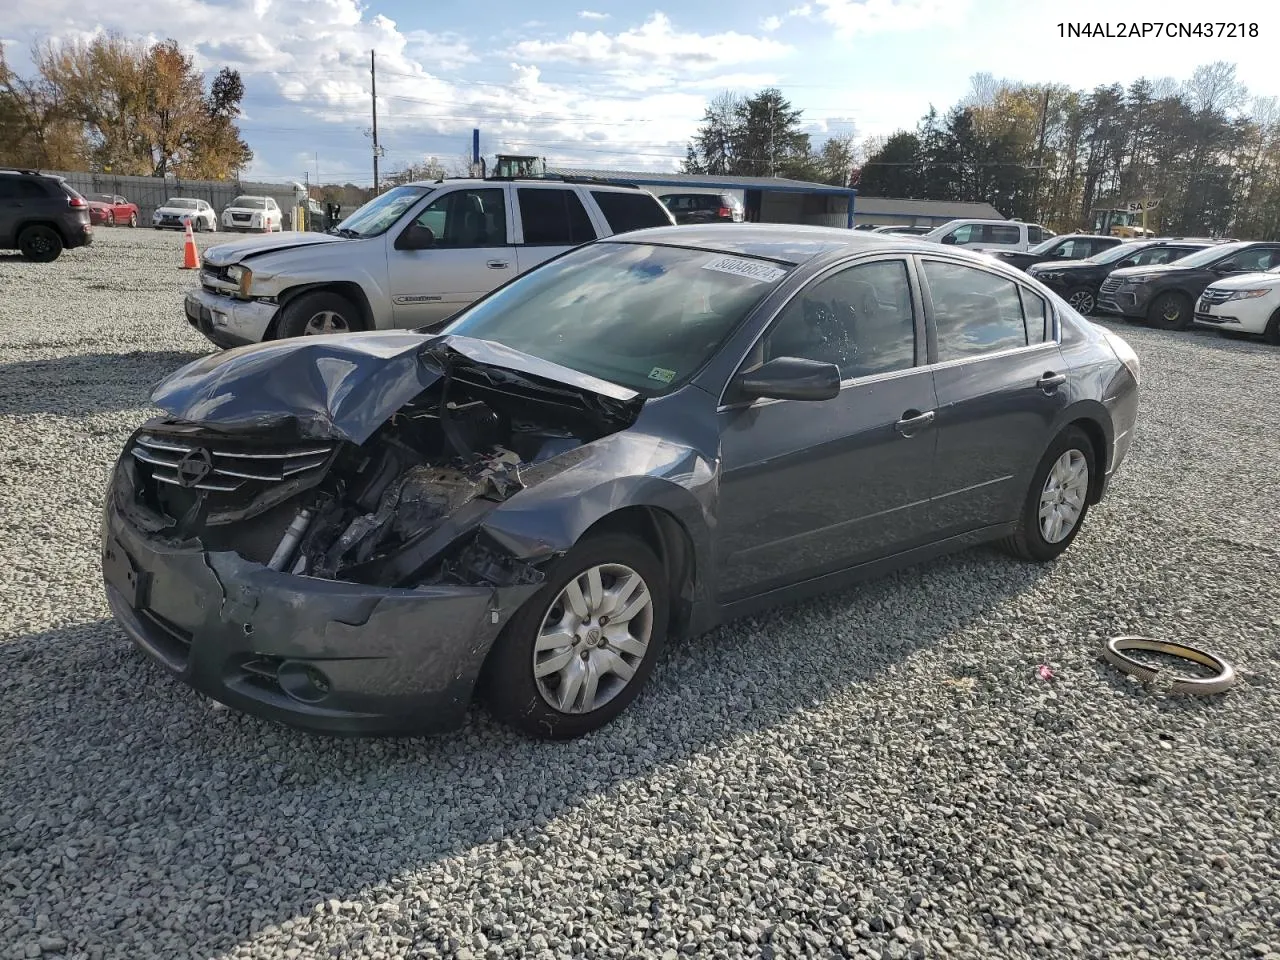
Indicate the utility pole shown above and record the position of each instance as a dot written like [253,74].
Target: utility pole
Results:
[1044,117]
[373,89]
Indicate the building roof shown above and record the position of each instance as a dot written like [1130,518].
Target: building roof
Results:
[726,182]
[952,210]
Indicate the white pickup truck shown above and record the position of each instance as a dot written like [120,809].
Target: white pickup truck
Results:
[412,256]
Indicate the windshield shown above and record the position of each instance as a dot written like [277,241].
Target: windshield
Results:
[249,203]
[103,198]
[1202,258]
[381,212]
[1046,245]
[1118,252]
[178,204]
[641,316]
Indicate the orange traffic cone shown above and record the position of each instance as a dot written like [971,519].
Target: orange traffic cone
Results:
[190,256]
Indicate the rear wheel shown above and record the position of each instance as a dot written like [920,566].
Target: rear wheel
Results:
[133,220]
[581,648]
[40,244]
[316,313]
[111,218]
[198,224]
[1081,300]
[1057,500]
[1170,311]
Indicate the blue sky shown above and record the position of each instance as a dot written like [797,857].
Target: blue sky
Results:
[622,85]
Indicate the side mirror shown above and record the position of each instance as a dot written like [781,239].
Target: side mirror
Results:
[789,378]
[950,238]
[416,237]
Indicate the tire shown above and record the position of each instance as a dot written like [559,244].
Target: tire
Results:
[111,218]
[320,312]
[197,225]
[133,220]
[1170,311]
[40,244]
[1028,540]
[520,699]
[1272,333]
[1086,297]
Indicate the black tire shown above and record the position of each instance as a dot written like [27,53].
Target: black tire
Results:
[297,317]
[1170,311]
[1027,542]
[40,244]
[111,218]
[1272,333]
[508,684]
[197,225]
[1088,300]
[133,220]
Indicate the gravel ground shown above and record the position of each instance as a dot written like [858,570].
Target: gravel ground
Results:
[880,773]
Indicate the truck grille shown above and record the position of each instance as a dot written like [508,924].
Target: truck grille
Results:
[222,466]
[1111,285]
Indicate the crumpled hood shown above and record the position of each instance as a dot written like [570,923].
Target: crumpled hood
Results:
[236,250]
[342,386]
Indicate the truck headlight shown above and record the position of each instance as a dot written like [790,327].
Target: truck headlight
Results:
[241,276]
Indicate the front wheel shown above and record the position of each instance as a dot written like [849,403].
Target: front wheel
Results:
[133,220]
[111,219]
[581,648]
[316,313]
[1082,300]
[1170,311]
[197,225]
[1058,499]
[1272,333]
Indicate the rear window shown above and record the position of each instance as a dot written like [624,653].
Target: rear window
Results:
[996,233]
[553,216]
[630,211]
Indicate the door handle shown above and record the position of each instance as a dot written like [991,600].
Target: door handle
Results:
[498,264]
[913,421]
[1050,381]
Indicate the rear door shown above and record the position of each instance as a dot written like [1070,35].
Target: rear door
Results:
[550,220]
[470,256]
[997,370]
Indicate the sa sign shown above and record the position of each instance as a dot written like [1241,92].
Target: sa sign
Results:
[1137,206]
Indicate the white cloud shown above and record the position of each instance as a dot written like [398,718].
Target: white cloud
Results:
[654,43]
[592,15]
[860,17]
[770,24]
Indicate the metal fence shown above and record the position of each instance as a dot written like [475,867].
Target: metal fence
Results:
[151,192]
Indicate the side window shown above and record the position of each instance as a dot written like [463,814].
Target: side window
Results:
[630,211]
[975,312]
[464,219]
[554,216]
[1036,312]
[860,319]
[1072,249]
[966,234]
[1272,259]
[999,233]
[1034,235]
[1155,256]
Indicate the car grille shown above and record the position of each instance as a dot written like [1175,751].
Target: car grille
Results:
[242,217]
[1110,285]
[1214,296]
[222,466]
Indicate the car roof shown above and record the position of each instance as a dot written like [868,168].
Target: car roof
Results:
[530,181]
[774,241]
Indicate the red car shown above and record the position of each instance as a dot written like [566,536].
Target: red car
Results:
[110,210]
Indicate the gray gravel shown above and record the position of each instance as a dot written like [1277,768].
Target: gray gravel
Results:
[879,773]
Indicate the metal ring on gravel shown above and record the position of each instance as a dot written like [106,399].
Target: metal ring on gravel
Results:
[1225,678]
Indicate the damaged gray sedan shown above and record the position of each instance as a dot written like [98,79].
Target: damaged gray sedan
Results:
[639,440]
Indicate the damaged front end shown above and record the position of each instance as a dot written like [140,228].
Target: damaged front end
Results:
[255,550]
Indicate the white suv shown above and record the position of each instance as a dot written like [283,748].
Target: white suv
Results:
[413,256]
[253,214]
[989,234]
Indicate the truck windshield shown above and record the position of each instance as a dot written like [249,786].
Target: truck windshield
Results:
[377,216]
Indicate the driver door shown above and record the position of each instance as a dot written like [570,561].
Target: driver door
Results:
[812,487]
[469,255]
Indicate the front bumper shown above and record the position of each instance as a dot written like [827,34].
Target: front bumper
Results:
[322,655]
[1125,302]
[226,321]
[1242,316]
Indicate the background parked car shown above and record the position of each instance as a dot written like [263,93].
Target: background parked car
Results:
[253,215]
[703,207]
[988,234]
[412,256]
[1165,296]
[902,231]
[1071,246]
[1077,281]
[176,211]
[40,215]
[1242,306]
[110,210]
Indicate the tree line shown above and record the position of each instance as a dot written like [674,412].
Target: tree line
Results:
[1204,150]
[117,106]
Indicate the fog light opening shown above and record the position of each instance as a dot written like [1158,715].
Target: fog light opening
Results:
[303,682]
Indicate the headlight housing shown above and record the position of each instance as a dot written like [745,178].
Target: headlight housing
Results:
[1249,294]
[242,276]
[1124,353]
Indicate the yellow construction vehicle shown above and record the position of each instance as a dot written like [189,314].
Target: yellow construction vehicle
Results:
[1128,221]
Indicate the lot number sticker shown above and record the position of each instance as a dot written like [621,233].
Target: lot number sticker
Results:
[662,374]
[749,269]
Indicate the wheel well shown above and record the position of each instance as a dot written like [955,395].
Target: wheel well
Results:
[51,224]
[1098,440]
[352,291]
[669,540]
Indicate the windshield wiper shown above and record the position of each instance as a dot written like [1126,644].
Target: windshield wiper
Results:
[346,232]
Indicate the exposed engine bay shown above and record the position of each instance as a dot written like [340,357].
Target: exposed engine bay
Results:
[402,509]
